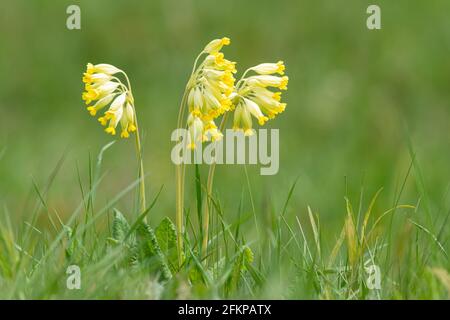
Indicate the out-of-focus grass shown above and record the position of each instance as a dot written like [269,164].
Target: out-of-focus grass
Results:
[356,97]
[122,257]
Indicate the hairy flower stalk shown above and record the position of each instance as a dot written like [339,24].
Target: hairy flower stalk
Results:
[210,93]
[105,91]
[206,97]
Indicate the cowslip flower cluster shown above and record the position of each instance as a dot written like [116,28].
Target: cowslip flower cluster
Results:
[212,92]
[102,89]
[208,93]
[253,98]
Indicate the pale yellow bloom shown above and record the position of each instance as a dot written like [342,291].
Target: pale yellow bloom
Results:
[106,89]
[269,68]
[253,98]
[98,91]
[211,83]
[100,104]
[208,92]
[211,132]
[195,128]
[242,119]
[102,68]
[211,92]
[268,101]
[96,78]
[269,81]
[255,111]
[216,45]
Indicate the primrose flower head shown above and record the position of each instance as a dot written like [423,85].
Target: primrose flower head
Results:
[103,89]
[254,99]
[211,92]
[211,83]
[208,92]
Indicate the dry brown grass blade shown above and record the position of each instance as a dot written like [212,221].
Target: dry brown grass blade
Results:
[337,247]
[351,235]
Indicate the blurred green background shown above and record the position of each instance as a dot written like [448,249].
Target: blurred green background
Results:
[355,97]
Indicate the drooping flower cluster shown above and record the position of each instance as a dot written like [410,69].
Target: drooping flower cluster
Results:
[209,90]
[104,88]
[212,92]
[253,98]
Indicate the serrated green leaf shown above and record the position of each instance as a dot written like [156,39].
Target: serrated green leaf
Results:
[151,256]
[166,235]
[120,226]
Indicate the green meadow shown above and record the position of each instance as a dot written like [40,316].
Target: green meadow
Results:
[359,208]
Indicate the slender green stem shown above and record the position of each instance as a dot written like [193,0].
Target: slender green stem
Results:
[238,84]
[180,189]
[142,204]
[195,63]
[209,186]
[180,171]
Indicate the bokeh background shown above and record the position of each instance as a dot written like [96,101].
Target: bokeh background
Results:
[355,99]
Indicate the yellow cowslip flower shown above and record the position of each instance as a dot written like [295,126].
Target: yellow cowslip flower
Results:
[201,131]
[208,92]
[98,91]
[96,78]
[196,130]
[216,45]
[102,68]
[269,68]
[106,89]
[242,120]
[253,98]
[211,132]
[211,92]
[269,81]
[209,88]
